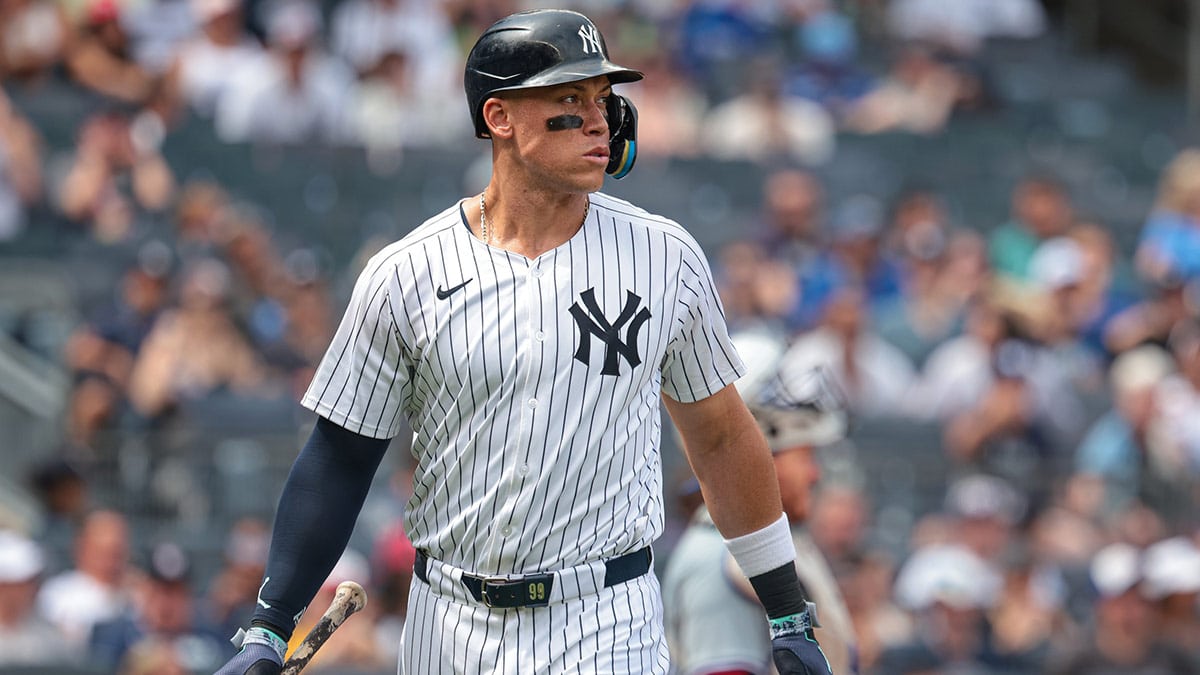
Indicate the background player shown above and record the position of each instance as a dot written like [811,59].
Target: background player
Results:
[527,335]
[713,618]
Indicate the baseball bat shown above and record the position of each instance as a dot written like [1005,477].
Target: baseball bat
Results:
[349,598]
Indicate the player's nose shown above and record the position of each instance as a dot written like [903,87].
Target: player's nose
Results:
[595,119]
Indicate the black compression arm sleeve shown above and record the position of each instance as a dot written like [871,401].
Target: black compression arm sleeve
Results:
[320,503]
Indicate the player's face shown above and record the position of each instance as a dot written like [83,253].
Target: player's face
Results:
[798,471]
[561,133]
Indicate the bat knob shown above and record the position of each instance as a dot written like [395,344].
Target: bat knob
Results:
[355,596]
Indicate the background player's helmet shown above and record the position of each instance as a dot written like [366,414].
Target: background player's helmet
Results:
[537,48]
[808,410]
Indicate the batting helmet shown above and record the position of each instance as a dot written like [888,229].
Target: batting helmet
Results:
[538,48]
[808,410]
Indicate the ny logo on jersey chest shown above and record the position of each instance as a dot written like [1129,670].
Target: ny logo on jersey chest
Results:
[592,322]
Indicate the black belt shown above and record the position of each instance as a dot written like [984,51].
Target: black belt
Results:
[533,590]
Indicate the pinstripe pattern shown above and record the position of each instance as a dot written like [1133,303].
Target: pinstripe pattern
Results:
[617,631]
[528,459]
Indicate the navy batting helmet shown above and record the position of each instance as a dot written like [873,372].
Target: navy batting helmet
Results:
[538,48]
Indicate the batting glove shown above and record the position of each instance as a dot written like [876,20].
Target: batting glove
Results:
[261,653]
[794,648]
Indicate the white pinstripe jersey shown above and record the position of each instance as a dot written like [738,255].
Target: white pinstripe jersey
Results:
[532,385]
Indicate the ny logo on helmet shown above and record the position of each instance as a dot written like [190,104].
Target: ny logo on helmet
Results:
[591,39]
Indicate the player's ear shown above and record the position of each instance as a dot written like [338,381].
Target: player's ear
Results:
[497,115]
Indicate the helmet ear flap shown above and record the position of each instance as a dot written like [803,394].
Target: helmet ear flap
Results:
[622,136]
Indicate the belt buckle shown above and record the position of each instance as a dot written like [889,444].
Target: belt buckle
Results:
[488,583]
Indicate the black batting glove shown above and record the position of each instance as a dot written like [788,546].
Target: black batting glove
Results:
[794,648]
[261,653]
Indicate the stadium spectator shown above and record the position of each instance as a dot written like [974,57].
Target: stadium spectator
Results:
[142,293]
[308,315]
[958,372]
[963,27]
[157,29]
[296,94]
[1058,271]
[1027,417]
[879,623]
[1167,302]
[163,611]
[930,305]
[986,512]
[1105,287]
[1117,452]
[874,375]
[756,292]
[256,270]
[915,214]
[856,251]
[949,590]
[917,95]
[670,111]
[826,68]
[1169,244]
[98,588]
[790,225]
[715,39]
[63,497]
[113,150]
[1172,570]
[99,58]
[20,169]
[763,122]
[1124,637]
[33,34]
[200,217]
[840,522]
[389,112]
[194,349]
[364,32]
[1041,210]
[1178,398]
[25,638]
[202,66]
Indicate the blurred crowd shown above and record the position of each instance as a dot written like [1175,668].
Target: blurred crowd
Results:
[761,81]
[108,606]
[1060,377]
[1058,369]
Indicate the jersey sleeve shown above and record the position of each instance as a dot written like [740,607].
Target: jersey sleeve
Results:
[361,382]
[701,359]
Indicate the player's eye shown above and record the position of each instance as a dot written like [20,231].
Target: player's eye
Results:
[571,98]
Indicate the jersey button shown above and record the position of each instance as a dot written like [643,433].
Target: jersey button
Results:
[505,531]
[533,403]
[537,273]
[523,469]
[540,335]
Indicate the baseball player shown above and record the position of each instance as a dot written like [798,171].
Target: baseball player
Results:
[713,618]
[527,335]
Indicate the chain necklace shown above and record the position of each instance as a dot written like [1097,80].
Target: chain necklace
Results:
[483,233]
[482,220]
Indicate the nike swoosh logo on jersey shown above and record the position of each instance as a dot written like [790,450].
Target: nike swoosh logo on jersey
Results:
[444,293]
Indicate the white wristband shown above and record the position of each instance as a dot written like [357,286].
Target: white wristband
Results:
[763,550]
